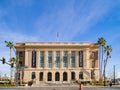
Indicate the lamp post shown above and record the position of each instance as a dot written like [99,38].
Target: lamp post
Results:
[114,73]
[104,75]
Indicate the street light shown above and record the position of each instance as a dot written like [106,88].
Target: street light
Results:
[104,75]
[114,73]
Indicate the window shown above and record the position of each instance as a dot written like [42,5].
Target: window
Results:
[65,59]
[33,75]
[93,64]
[80,58]
[73,59]
[58,59]
[93,54]
[81,75]
[20,54]
[50,59]
[92,74]
[33,59]
[41,58]
[20,63]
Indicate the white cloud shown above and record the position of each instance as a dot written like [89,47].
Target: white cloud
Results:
[7,34]
[69,21]
[16,37]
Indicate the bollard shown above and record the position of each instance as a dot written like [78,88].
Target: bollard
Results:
[80,87]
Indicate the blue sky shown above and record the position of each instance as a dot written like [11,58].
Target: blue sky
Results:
[75,20]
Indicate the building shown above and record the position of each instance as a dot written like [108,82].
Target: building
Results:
[58,62]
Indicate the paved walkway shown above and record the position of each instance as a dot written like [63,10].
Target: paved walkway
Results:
[62,88]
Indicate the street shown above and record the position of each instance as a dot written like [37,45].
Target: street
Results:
[59,88]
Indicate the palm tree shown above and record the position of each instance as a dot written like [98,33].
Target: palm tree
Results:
[101,42]
[107,50]
[13,60]
[11,46]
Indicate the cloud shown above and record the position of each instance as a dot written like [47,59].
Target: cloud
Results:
[69,20]
[16,37]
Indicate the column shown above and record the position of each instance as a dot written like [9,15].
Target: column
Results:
[69,76]
[61,59]
[53,59]
[26,57]
[37,77]
[38,59]
[53,76]
[69,59]
[87,55]
[61,76]
[76,59]
[46,59]
[45,76]
[29,58]
[27,76]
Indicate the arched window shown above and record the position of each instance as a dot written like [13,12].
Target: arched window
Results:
[41,76]
[49,76]
[33,75]
[72,75]
[33,59]
[81,75]
[57,76]
[65,76]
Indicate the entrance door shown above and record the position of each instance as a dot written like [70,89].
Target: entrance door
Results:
[41,76]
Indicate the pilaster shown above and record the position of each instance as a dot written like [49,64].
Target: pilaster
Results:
[53,59]
[38,59]
[61,59]
[76,59]
[46,59]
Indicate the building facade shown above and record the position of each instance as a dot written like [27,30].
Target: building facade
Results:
[58,62]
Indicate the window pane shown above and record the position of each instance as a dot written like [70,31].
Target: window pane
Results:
[20,54]
[57,59]
[33,75]
[41,58]
[80,58]
[81,75]
[50,59]
[73,59]
[33,59]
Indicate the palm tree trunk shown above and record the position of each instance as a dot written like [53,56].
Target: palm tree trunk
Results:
[100,63]
[10,60]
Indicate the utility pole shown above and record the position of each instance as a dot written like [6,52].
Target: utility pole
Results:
[114,73]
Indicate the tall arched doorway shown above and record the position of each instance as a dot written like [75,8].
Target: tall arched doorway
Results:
[49,76]
[41,76]
[65,76]
[81,75]
[57,76]
[72,75]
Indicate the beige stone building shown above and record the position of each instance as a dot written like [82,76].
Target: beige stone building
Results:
[58,62]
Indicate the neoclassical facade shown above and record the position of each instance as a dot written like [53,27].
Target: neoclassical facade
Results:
[58,62]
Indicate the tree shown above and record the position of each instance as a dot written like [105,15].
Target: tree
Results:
[107,50]
[11,46]
[101,42]
[13,60]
